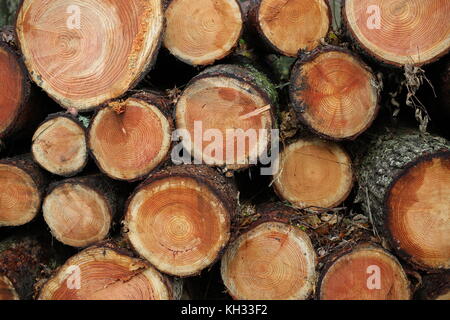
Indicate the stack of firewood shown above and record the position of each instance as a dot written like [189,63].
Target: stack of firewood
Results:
[281,147]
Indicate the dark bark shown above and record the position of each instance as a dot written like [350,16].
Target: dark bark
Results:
[435,286]
[381,161]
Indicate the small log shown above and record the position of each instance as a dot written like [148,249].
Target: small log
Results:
[398,32]
[80,211]
[128,139]
[218,100]
[59,145]
[334,93]
[78,58]
[202,31]
[180,218]
[271,260]
[104,272]
[366,272]
[435,287]
[288,27]
[404,180]
[314,173]
[22,188]
[18,109]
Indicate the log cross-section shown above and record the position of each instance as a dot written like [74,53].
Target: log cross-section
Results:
[106,273]
[288,26]
[79,211]
[272,261]
[399,32]
[334,93]
[202,31]
[128,139]
[59,145]
[86,52]
[314,173]
[22,186]
[180,218]
[366,272]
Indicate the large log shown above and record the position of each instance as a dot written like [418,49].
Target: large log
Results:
[73,50]
[404,180]
[218,100]
[80,211]
[270,260]
[366,272]
[180,218]
[22,186]
[128,139]
[399,32]
[59,145]
[202,31]
[287,26]
[334,93]
[104,272]
[314,173]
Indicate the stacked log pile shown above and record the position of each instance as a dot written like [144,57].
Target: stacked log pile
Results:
[269,166]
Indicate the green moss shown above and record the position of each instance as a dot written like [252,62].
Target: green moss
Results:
[264,83]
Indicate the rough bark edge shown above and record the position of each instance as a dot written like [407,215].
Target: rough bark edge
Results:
[77,122]
[145,70]
[299,109]
[386,218]
[167,3]
[350,34]
[416,147]
[156,99]
[218,185]
[254,25]
[331,259]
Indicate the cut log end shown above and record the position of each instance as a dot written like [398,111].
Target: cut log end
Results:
[59,146]
[334,94]
[7,290]
[290,26]
[400,33]
[20,198]
[129,139]
[202,31]
[271,261]
[314,173]
[13,89]
[77,57]
[77,215]
[365,273]
[418,209]
[178,224]
[101,273]
[211,106]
